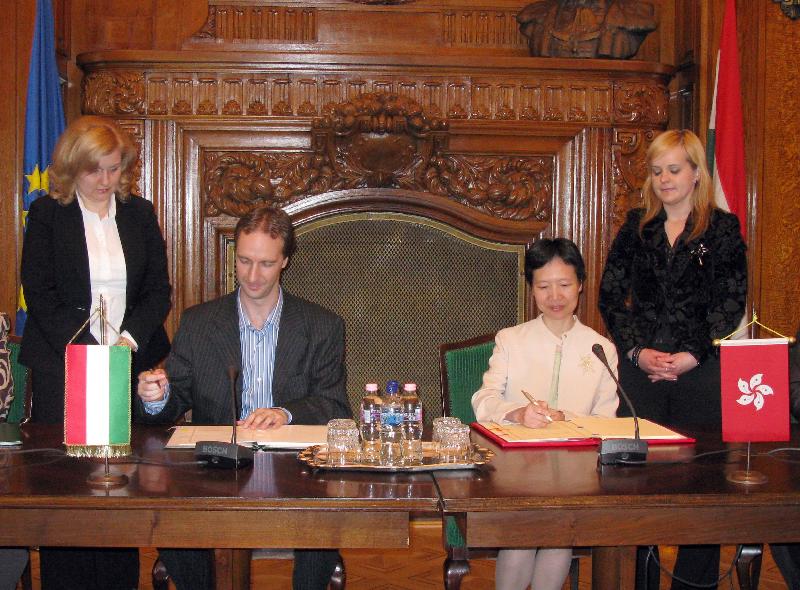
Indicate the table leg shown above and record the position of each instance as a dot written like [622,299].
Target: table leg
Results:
[613,568]
[748,566]
[232,569]
[455,568]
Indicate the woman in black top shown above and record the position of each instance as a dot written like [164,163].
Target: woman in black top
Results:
[90,237]
[675,279]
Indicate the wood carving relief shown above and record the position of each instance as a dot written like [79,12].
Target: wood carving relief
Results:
[586,28]
[517,188]
[640,102]
[236,182]
[136,130]
[283,94]
[231,23]
[481,28]
[629,170]
[504,148]
[114,93]
[379,141]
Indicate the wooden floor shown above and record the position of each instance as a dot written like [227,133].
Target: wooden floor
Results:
[420,566]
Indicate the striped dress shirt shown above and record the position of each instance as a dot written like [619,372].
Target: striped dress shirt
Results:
[258,357]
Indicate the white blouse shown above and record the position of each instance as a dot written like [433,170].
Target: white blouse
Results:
[107,272]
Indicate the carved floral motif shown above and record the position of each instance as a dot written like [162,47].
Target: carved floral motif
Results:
[518,188]
[379,140]
[111,93]
[629,170]
[640,102]
[236,182]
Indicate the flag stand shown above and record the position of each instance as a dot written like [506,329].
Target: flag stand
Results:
[747,476]
[106,479]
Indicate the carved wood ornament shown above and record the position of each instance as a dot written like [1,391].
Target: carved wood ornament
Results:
[790,8]
[284,105]
[379,141]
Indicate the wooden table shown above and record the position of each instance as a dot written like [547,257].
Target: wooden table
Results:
[558,497]
[45,500]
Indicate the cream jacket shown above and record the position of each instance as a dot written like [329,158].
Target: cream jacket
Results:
[523,359]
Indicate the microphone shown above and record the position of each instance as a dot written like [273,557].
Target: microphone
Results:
[620,451]
[226,455]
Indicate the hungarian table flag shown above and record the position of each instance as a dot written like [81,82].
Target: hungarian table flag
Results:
[97,401]
[755,390]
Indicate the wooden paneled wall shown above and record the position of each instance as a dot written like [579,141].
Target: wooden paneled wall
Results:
[507,149]
[687,38]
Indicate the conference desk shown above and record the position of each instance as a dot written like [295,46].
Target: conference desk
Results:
[557,497]
[279,503]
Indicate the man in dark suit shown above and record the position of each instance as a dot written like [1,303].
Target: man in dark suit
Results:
[289,355]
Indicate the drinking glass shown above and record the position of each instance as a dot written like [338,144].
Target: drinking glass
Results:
[343,442]
[454,443]
[438,423]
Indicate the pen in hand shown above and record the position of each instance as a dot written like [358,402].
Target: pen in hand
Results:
[536,403]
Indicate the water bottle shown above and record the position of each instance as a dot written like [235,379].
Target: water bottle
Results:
[370,416]
[391,426]
[412,424]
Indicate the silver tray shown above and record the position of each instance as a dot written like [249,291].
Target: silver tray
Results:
[317,457]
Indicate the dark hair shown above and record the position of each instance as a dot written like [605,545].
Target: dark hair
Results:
[270,220]
[545,249]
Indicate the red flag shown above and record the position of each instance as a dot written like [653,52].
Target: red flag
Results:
[755,390]
[725,145]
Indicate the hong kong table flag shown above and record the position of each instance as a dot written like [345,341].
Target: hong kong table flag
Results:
[755,390]
[97,401]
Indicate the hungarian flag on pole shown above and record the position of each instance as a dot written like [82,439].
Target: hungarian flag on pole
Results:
[755,390]
[725,141]
[97,404]
[44,121]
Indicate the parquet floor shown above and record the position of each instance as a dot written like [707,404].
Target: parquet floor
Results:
[420,567]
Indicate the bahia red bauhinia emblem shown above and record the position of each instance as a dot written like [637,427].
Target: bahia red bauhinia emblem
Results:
[755,390]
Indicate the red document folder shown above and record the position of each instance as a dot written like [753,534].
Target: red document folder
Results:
[584,431]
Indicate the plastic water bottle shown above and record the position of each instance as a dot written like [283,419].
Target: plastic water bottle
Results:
[371,423]
[391,426]
[412,424]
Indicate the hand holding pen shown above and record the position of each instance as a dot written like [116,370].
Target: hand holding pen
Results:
[537,414]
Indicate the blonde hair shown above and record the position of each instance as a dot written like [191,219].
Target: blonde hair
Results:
[702,196]
[79,150]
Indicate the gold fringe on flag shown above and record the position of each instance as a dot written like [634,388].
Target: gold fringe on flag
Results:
[99,451]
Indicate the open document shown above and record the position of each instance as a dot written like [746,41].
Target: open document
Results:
[290,436]
[586,430]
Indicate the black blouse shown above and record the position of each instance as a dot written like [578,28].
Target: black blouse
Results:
[687,294]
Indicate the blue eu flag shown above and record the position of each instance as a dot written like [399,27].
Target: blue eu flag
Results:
[44,120]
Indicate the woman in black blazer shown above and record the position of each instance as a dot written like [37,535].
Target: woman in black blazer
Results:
[675,279]
[89,237]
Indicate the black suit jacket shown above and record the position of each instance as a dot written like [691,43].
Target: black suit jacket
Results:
[309,378]
[699,294]
[56,282]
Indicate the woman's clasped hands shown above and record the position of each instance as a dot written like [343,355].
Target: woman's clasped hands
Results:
[665,366]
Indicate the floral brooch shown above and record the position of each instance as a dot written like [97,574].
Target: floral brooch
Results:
[699,252]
